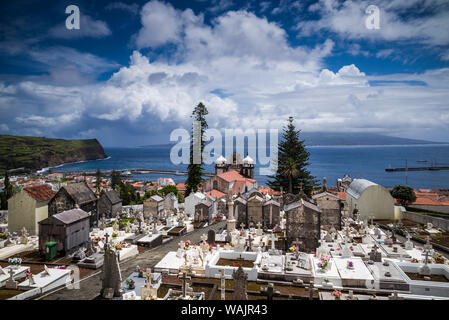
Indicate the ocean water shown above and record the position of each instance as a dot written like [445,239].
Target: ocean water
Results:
[331,162]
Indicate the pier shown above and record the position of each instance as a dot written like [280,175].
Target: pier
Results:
[433,168]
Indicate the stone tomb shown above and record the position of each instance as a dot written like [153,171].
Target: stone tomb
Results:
[46,280]
[150,241]
[358,276]
[5,273]
[94,261]
[387,276]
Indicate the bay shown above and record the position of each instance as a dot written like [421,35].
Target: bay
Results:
[331,162]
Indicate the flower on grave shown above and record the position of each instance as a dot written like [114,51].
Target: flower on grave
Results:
[61,267]
[130,282]
[3,235]
[414,260]
[326,280]
[439,259]
[27,273]
[15,261]
[336,293]
[324,262]
[350,264]
[292,249]
[187,243]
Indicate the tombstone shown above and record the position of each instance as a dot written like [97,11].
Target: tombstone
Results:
[24,237]
[228,237]
[270,291]
[425,270]
[259,230]
[11,283]
[375,255]
[149,290]
[211,236]
[112,277]
[184,277]
[328,237]
[346,252]
[408,243]
[103,222]
[428,245]
[47,271]
[222,277]
[240,280]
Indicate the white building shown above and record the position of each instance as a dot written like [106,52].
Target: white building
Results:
[370,199]
[192,200]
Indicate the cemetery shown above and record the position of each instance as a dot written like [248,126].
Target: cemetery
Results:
[265,248]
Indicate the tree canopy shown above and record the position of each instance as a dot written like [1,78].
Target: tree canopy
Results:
[293,159]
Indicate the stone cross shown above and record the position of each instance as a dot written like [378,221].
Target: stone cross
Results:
[250,240]
[311,290]
[242,225]
[240,280]
[148,276]
[270,291]
[273,241]
[222,277]
[184,277]
[428,245]
[106,241]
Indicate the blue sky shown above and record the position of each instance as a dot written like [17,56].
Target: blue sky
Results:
[135,69]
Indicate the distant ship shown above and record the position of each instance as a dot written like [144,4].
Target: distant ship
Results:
[421,160]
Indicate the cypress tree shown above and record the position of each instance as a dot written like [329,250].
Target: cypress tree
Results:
[293,159]
[195,171]
[98,181]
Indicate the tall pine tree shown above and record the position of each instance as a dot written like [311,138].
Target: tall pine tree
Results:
[293,158]
[195,171]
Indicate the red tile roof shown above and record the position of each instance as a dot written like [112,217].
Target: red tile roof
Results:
[342,195]
[233,175]
[41,192]
[216,194]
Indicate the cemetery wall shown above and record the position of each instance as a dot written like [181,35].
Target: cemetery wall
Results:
[424,219]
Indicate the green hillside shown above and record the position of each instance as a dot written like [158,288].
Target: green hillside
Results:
[34,153]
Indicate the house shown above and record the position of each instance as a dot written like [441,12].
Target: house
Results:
[153,207]
[29,206]
[110,204]
[330,205]
[370,199]
[70,229]
[303,225]
[75,195]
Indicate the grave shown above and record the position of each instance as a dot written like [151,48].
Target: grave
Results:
[437,285]
[93,261]
[150,241]
[46,280]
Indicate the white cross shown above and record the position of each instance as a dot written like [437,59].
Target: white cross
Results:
[273,240]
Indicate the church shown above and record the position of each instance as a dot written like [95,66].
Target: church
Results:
[245,167]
